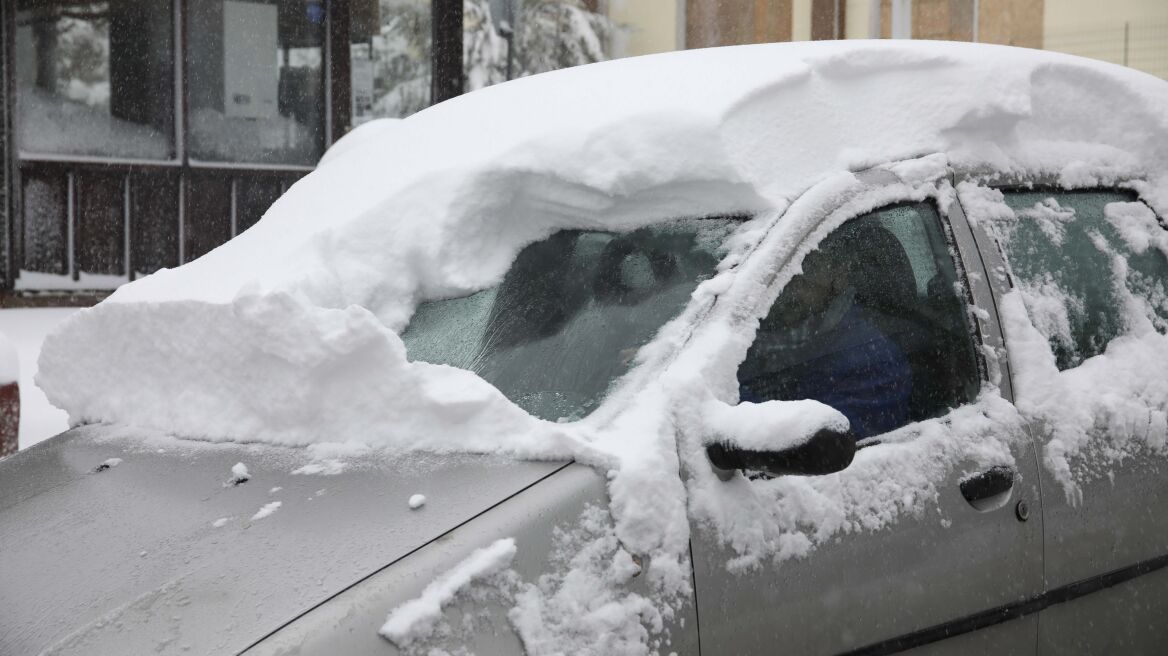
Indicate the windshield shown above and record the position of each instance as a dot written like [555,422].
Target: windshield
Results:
[571,313]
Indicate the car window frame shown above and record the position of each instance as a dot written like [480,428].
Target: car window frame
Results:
[985,329]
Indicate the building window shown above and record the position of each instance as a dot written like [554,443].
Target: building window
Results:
[255,79]
[95,78]
[390,58]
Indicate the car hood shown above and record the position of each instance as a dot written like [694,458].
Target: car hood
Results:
[117,545]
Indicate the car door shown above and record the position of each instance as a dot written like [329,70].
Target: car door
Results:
[1085,320]
[934,530]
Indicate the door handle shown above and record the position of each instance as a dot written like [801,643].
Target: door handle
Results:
[990,483]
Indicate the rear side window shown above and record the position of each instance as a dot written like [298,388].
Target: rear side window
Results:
[1088,264]
[875,326]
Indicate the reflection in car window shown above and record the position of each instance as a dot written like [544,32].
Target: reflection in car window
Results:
[1061,246]
[570,314]
[874,326]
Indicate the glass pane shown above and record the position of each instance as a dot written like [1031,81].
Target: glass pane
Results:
[46,222]
[1061,247]
[256,82]
[390,57]
[571,313]
[207,215]
[153,220]
[95,78]
[873,326]
[101,223]
[254,194]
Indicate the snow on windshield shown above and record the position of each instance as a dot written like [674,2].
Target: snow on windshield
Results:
[289,334]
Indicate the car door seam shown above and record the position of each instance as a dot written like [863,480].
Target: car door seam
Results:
[1011,611]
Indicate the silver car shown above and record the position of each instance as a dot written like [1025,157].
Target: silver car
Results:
[924,301]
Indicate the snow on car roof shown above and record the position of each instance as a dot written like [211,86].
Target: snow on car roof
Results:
[438,204]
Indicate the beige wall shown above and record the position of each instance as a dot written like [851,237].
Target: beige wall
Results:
[1074,15]
[856,19]
[1131,32]
[801,20]
[735,22]
[646,26]
[1012,22]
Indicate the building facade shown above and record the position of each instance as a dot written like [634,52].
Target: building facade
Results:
[140,134]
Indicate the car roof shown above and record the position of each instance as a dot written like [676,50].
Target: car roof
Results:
[112,545]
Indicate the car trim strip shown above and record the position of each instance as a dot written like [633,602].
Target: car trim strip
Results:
[1015,610]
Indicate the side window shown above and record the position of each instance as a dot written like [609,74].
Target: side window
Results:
[1077,258]
[875,326]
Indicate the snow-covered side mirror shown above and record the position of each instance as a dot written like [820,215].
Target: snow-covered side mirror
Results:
[802,438]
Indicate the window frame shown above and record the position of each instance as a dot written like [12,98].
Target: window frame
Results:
[182,158]
[179,123]
[871,192]
[974,331]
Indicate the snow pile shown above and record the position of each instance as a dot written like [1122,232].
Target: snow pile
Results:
[754,426]
[415,619]
[261,329]
[239,473]
[582,606]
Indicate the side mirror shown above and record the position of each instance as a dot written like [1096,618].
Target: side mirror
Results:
[826,452]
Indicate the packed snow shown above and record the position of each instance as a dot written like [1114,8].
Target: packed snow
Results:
[289,334]
[417,501]
[267,510]
[239,473]
[415,619]
[582,606]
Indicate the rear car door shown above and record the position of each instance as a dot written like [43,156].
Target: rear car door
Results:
[1085,324]
[934,528]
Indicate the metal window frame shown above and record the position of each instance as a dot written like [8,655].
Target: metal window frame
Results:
[7,149]
[335,35]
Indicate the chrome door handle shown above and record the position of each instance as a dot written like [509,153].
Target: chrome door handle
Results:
[989,483]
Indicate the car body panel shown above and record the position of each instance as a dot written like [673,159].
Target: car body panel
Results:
[349,623]
[1116,521]
[867,589]
[128,559]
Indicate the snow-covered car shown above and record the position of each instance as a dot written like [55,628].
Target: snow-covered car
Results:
[819,348]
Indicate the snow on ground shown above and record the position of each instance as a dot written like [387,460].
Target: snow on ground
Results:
[26,330]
